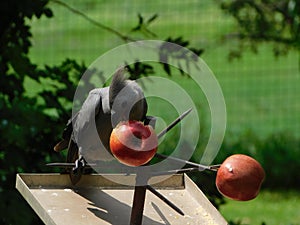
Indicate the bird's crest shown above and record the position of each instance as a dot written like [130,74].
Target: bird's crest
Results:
[117,84]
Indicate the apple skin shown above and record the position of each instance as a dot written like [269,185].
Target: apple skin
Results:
[133,143]
[240,177]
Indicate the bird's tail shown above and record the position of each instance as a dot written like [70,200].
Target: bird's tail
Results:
[63,144]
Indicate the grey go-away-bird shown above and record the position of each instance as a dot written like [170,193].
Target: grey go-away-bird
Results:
[87,134]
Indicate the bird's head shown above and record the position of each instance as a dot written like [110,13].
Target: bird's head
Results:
[127,100]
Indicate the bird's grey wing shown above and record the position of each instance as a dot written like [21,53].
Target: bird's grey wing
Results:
[66,135]
[85,120]
[85,130]
[80,131]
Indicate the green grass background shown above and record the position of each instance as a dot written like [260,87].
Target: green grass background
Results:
[269,207]
[261,91]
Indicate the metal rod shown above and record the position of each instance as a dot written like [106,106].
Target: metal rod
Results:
[165,200]
[137,210]
[214,167]
[186,162]
[169,127]
[61,164]
[170,172]
[164,131]
[72,165]
[195,166]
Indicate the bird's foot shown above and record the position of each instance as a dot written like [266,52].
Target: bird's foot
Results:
[80,164]
[78,170]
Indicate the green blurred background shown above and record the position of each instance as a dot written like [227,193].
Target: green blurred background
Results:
[259,78]
[260,90]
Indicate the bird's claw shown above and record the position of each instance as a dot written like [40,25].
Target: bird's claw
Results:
[80,164]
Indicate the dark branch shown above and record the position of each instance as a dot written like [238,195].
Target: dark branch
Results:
[96,23]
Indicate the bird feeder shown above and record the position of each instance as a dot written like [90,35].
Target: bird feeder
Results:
[96,199]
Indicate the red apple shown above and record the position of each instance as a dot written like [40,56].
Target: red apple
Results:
[240,177]
[133,143]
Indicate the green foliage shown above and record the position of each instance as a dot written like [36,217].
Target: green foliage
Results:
[15,43]
[205,180]
[143,25]
[28,123]
[280,156]
[265,21]
[182,57]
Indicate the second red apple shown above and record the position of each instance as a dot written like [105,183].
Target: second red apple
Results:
[240,177]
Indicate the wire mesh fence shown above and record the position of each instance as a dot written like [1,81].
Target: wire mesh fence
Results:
[260,90]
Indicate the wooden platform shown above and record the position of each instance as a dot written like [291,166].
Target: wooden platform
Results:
[98,200]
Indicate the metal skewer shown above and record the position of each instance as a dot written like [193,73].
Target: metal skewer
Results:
[186,162]
[164,199]
[196,165]
[171,125]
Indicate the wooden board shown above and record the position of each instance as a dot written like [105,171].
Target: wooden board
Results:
[98,200]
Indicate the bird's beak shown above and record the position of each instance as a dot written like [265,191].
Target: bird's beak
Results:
[117,118]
